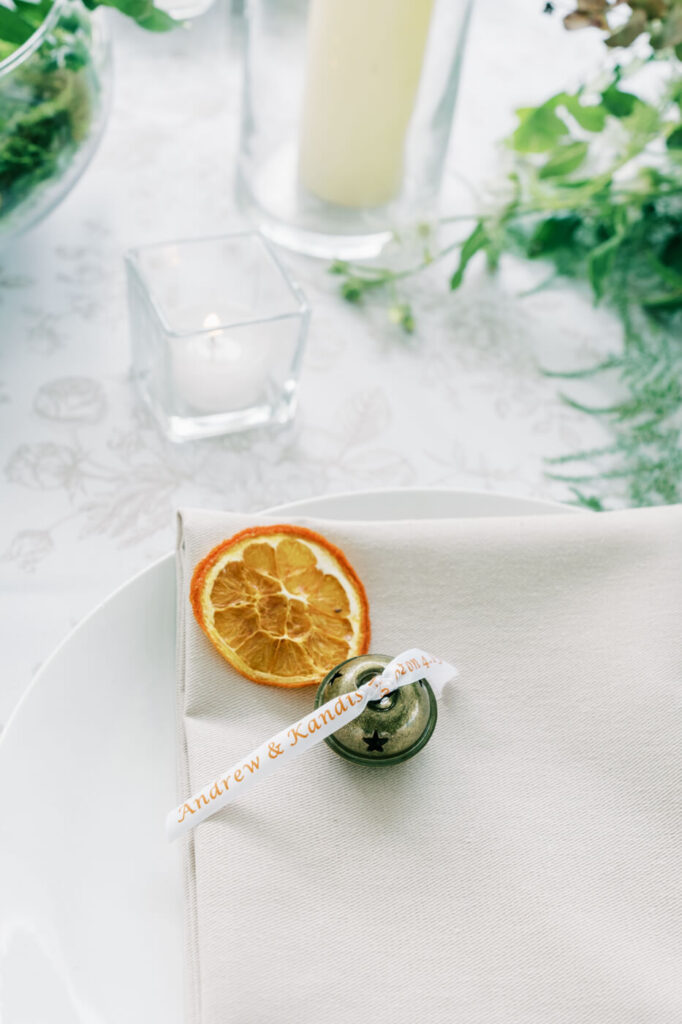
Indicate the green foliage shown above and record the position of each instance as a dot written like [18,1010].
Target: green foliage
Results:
[45,102]
[590,116]
[45,107]
[618,103]
[19,19]
[14,28]
[564,160]
[401,315]
[615,224]
[142,11]
[540,128]
[621,231]
[478,240]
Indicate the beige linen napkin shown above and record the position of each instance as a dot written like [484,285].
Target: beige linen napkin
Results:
[526,866]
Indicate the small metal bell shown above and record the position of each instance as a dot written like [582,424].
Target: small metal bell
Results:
[389,730]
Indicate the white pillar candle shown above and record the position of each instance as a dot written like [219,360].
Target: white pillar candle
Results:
[364,60]
[221,371]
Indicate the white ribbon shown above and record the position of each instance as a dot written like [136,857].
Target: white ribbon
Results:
[408,667]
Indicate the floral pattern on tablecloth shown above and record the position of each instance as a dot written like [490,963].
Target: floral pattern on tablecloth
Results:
[89,487]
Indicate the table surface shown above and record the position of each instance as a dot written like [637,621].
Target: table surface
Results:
[89,487]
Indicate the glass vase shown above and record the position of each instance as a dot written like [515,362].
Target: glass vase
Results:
[347,110]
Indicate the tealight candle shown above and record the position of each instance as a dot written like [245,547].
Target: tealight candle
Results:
[221,370]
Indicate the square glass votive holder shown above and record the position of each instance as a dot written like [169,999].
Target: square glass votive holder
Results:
[218,330]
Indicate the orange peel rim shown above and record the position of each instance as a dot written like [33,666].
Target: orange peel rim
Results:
[302,533]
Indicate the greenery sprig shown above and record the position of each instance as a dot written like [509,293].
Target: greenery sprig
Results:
[597,194]
[19,19]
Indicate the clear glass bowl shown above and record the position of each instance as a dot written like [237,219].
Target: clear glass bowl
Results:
[54,99]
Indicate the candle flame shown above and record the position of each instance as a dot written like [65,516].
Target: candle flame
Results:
[211,321]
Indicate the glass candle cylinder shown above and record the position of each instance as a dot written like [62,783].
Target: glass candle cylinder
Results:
[347,111]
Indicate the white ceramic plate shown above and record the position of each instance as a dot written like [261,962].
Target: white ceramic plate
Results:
[90,892]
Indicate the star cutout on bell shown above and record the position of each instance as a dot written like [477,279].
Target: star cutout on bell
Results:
[375,742]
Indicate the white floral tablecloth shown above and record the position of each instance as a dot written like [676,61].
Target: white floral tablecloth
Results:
[89,487]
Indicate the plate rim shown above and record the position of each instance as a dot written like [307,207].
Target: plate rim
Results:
[291,506]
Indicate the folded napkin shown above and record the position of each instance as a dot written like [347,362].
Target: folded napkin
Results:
[526,866]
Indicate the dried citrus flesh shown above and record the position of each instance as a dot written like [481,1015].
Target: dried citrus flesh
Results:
[281,604]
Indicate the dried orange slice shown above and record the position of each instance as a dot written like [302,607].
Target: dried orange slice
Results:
[281,604]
